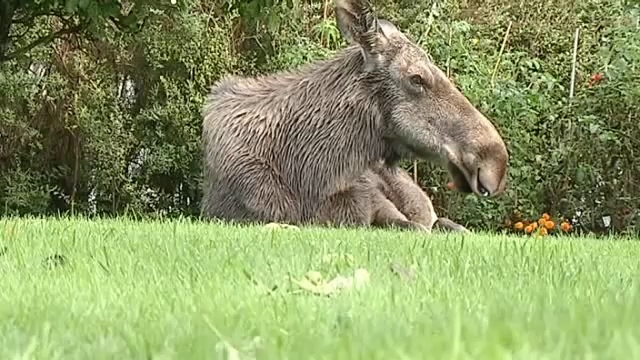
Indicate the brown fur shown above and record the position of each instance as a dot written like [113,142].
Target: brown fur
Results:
[406,195]
[409,201]
[293,146]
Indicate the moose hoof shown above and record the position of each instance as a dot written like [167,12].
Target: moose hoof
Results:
[446,224]
[408,226]
[418,227]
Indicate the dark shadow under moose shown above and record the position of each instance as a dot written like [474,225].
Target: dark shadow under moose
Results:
[321,144]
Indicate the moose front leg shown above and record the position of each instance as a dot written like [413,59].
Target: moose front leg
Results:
[363,205]
[386,214]
[443,223]
[409,199]
[424,213]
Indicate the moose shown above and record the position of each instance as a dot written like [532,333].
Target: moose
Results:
[322,144]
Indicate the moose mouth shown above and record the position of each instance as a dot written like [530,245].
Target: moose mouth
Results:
[467,184]
[464,183]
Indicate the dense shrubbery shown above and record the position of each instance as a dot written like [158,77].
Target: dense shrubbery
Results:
[111,124]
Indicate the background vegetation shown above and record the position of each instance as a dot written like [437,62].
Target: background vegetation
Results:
[100,103]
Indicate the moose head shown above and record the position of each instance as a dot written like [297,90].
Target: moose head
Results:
[425,114]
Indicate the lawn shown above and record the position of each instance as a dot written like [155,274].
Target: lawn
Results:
[121,289]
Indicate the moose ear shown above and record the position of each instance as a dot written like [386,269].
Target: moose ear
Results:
[357,23]
[386,27]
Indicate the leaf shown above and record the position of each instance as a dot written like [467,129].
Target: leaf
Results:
[82,4]
[107,9]
[71,6]
[273,21]
[313,282]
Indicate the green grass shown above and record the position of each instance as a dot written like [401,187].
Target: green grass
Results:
[173,290]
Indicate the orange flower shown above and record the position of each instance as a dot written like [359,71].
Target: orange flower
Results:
[546,216]
[541,221]
[533,226]
[543,231]
[519,225]
[529,229]
[565,226]
[549,224]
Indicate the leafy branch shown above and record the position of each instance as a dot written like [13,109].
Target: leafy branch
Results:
[121,17]
[41,41]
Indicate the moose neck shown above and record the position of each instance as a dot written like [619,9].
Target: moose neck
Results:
[334,124]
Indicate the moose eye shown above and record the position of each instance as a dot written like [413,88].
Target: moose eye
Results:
[417,80]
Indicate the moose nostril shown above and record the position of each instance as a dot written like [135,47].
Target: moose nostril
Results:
[481,189]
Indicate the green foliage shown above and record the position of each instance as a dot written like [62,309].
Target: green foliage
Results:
[108,120]
[29,24]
